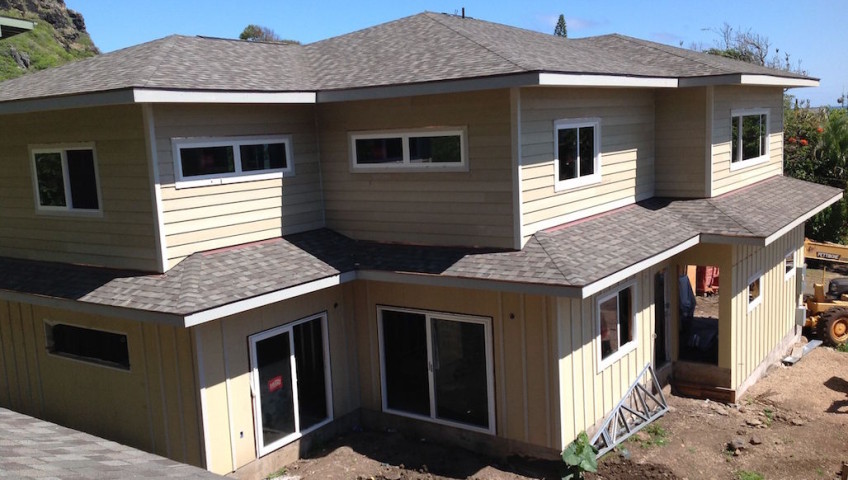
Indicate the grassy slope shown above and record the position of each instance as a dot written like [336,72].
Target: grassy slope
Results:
[41,45]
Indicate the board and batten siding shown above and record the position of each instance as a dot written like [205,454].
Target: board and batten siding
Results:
[524,352]
[123,236]
[627,153]
[224,363]
[757,332]
[681,143]
[216,216]
[727,99]
[153,406]
[587,395]
[467,208]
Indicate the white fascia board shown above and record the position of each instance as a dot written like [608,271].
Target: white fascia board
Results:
[429,88]
[116,97]
[16,23]
[743,79]
[470,283]
[144,95]
[267,299]
[732,240]
[93,308]
[628,272]
[800,220]
[587,80]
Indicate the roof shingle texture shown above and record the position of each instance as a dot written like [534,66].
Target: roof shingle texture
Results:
[573,255]
[427,47]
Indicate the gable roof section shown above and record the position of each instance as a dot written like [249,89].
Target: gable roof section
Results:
[421,50]
[576,259]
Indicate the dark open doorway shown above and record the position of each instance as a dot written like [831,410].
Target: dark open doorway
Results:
[699,313]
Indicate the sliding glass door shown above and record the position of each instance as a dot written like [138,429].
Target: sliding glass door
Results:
[437,366]
[290,380]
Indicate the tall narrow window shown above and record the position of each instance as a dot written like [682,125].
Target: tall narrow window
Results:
[66,179]
[616,324]
[749,137]
[577,152]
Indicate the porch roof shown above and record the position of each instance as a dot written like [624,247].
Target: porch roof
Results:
[575,259]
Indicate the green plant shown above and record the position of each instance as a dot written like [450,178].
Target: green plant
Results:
[769,413]
[842,348]
[819,471]
[579,457]
[659,435]
[746,475]
[279,473]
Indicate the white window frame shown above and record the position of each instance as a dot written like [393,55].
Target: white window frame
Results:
[623,349]
[490,366]
[62,150]
[406,164]
[178,143]
[739,164]
[791,272]
[752,304]
[580,181]
[261,449]
[49,324]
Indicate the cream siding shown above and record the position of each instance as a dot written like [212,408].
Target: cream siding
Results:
[123,236]
[209,217]
[225,362]
[681,143]
[153,406]
[758,331]
[471,207]
[726,100]
[627,152]
[524,336]
[588,395]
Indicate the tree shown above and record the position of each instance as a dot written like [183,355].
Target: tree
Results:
[750,47]
[258,33]
[561,30]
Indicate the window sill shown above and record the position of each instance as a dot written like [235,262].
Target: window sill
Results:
[573,183]
[63,212]
[409,168]
[615,357]
[742,164]
[754,304]
[209,181]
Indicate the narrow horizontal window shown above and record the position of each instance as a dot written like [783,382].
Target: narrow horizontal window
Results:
[749,137]
[430,149]
[212,161]
[66,179]
[577,152]
[88,345]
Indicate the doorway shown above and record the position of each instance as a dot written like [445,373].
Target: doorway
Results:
[699,313]
[661,320]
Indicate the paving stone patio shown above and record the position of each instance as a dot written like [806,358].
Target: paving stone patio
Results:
[33,448]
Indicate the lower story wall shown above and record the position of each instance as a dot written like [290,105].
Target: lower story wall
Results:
[151,404]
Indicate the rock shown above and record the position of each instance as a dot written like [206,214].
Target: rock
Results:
[756,440]
[740,432]
[392,475]
[797,422]
[736,444]
[717,408]
[753,422]
[742,409]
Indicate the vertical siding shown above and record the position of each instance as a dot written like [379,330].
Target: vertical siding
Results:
[524,337]
[627,152]
[757,332]
[586,394]
[123,236]
[153,406]
[215,216]
[447,208]
[727,99]
[681,142]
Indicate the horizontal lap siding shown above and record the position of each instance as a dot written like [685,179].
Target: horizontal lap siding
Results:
[726,100]
[123,237]
[758,332]
[627,151]
[587,395]
[447,208]
[681,143]
[215,216]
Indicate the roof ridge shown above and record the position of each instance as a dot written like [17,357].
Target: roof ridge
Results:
[495,52]
[673,51]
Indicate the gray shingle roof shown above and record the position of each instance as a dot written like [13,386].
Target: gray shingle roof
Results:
[427,47]
[573,255]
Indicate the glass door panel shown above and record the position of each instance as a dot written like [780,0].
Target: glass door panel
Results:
[311,381]
[405,362]
[276,388]
[460,372]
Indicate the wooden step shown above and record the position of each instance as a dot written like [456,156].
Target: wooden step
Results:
[696,390]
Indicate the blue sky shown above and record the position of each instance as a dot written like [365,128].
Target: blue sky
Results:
[812,31]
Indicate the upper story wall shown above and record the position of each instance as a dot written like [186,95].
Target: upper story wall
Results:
[245,209]
[121,233]
[681,161]
[731,100]
[473,206]
[626,121]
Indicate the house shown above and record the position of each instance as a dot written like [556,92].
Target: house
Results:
[221,251]
[9,27]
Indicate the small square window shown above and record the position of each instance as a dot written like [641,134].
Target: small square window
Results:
[577,151]
[66,179]
[749,138]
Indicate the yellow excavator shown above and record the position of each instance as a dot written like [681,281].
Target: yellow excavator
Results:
[827,312]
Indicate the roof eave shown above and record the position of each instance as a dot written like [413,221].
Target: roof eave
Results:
[749,79]
[10,27]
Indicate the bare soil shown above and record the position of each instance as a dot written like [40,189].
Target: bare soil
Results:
[793,424]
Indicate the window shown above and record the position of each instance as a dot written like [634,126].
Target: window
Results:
[213,161]
[290,378]
[749,137]
[577,152]
[789,265]
[415,150]
[66,179]
[616,324]
[754,294]
[88,345]
[437,367]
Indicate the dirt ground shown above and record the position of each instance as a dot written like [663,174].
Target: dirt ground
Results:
[793,424]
